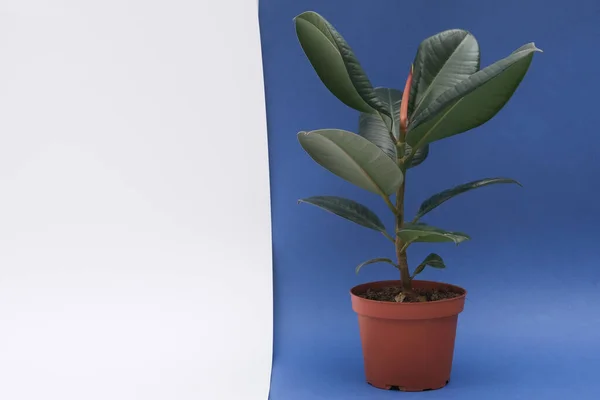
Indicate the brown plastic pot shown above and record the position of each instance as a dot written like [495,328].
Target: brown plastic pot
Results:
[407,346]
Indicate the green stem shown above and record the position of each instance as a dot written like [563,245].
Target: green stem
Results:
[387,235]
[390,205]
[400,244]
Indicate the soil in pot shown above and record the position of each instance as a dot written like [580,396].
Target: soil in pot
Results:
[389,293]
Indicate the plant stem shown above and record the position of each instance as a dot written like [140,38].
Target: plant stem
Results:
[400,154]
[400,245]
[398,209]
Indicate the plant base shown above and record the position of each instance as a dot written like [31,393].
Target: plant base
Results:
[407,346]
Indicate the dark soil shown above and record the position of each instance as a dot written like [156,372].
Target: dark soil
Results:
[418,295]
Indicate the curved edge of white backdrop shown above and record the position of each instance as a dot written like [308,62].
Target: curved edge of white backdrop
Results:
[135,234]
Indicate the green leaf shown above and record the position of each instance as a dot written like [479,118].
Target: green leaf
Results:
[442,61]
[473,101]
[375,260]
[335,63]
[374,129]
[425,233]
[420,155]
[353,158]
[433,260]
[439,198]
[348,209]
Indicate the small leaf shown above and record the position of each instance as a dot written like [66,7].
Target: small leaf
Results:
[433,260]
[375,260]
[471,102]
[335,63]
[348,209]
[353,158]
[439,198]
[425,233]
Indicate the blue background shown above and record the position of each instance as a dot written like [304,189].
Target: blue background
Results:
[531,325]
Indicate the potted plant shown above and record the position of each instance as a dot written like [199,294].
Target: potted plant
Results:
[407,326]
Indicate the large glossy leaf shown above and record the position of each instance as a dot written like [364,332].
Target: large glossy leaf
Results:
[425,233]
[442,61]
[376,260]
[373,127]
[348,209]
[441,197]
[335,63]
[432,260]
[353,158]
[473,101]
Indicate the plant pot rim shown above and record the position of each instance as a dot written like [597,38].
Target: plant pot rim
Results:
[356,290]
[407,311]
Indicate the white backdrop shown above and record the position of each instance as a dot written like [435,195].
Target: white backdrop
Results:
[135,249]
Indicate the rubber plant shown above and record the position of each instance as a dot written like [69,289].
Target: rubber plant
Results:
[446,93]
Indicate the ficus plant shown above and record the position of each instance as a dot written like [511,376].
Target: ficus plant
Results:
[446,93]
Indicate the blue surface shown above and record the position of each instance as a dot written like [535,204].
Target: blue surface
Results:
[531,325]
